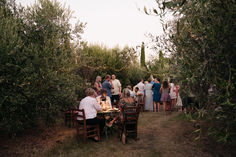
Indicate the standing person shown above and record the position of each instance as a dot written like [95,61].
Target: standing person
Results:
[91,106]
[141,87]
[148,96]
[179,103]
[98,85]
[173,95]
[116,91]
[156,94]
[165,97]
[107,84]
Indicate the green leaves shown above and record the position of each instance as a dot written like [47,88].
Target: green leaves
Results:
[36,64]
[98,60]
[202,35]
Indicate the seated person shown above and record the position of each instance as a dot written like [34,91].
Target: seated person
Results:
[138,95]
[132,94]
[104,100]
[91,106]
[125,101]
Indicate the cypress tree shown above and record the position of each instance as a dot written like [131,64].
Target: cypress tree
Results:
[142,59]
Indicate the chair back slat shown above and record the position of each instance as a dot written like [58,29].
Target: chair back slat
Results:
[70,117]
[81,114]
[131,113]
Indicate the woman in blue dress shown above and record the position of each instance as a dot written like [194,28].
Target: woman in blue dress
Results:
[156,94]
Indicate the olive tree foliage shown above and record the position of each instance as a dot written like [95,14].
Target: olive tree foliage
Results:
[160,67]
[201,40]
[97,60]
[37,78]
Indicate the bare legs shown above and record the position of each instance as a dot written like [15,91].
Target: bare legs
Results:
[173,103]
[156,106]
[113,120]
[164,105]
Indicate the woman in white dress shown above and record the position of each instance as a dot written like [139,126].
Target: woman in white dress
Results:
[148,96]
[173,95]
[179,100]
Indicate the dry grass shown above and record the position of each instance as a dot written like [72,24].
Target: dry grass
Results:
[160,135]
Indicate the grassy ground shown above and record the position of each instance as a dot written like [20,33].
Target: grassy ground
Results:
[160,135]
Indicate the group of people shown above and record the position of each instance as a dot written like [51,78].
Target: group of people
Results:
[106,95]
[110,88]
[102,96]
[154,93]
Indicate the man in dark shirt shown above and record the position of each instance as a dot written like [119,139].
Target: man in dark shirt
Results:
[107,84]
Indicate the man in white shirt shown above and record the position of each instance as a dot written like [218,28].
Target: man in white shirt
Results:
[91,106]
[116,91]
[141,86]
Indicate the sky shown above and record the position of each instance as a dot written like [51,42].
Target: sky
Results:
[114,22]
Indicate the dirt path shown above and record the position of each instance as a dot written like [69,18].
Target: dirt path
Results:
[160,135]
[168,136]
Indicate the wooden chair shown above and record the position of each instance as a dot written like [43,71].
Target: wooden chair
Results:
[141,104]
[70,117]
[88,130]
[129,123]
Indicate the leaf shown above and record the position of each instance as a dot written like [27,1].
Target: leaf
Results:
[182,3]
[197,138]
[155,11]
[168,5]
[145,10]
